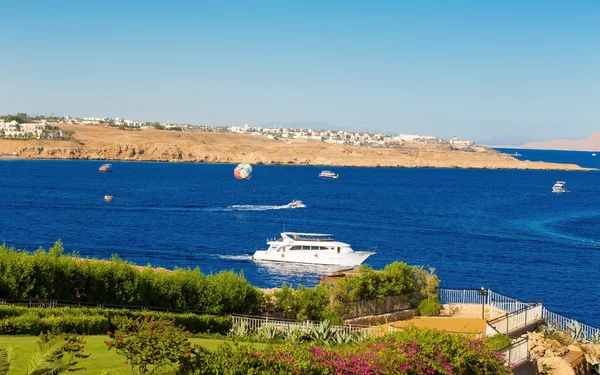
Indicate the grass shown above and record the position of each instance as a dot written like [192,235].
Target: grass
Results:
[100,358]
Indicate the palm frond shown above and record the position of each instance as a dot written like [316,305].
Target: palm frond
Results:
[6,357]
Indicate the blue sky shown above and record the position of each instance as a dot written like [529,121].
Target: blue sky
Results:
[494,70]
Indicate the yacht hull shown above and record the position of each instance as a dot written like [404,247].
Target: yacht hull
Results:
[314,257]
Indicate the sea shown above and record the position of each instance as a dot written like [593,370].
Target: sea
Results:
[499,229]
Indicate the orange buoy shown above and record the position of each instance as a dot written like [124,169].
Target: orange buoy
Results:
[316,255]
[282,255]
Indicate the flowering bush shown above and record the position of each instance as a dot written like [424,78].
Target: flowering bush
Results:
[411,352]
[149,342]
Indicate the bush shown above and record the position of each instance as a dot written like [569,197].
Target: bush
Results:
[498,342]
[413,351]
[149,342]
[95,321]
[429,307]
[54,275]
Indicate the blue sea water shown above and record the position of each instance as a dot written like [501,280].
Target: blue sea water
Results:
[501,229]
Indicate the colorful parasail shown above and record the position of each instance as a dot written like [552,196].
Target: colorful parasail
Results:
[243,171]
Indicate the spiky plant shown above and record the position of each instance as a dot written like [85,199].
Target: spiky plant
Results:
[6,357]
[596,338]
[241,329]
[362,336]
[575,330]
[343,337]
[269,332]
[293,334]
[323,332]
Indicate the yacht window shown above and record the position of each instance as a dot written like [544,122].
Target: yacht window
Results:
[296,248]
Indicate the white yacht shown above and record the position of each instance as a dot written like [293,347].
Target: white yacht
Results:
[312,248]
[328,174]
[296,203]
[559,187]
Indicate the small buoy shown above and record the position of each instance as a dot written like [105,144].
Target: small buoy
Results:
[282,255]
[316,255]
[108,198]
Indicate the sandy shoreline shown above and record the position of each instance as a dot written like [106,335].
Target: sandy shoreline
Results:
[111,144]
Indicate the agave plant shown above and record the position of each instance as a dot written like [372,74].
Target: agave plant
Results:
[323,332]
[343,337]
[596,338]
[362,336]
[575,330]
[241,329]
[269,332]
[293,334]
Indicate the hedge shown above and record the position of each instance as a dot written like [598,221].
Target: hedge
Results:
[96,321]
[53,275]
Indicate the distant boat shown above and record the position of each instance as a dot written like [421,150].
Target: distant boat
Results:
[108,198]
[515,154]
[593,154]
[559,187]
[296,203]
[106,168]
[328,174]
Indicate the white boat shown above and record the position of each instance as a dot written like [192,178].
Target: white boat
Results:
[593,154]
[559,187]
[311,248]
[328,174]
[296,203]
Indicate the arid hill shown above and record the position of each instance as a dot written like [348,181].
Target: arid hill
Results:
[591,143]
[105,143]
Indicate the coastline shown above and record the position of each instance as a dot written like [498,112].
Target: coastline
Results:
[151,145]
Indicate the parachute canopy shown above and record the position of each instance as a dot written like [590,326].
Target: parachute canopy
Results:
[243,171]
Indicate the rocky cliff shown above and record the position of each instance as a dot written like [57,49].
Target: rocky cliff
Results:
[102,143]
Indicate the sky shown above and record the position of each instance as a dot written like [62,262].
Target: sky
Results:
[494,71]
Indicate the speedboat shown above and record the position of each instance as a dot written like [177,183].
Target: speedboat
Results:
[296,203]
[559,187]
[311,248]
[328,174]
[106,168]
[108,198]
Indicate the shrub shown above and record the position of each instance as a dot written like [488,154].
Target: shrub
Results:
[149,342]
[497,342]
[413,351]
[429,307]
[54,275]
[95,321]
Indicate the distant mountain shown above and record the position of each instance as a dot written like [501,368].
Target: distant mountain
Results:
[508,140]
[591,143]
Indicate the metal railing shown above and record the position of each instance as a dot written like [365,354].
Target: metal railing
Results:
[563,323]
[516,353]
[490,298]
[519,319]
[255,323]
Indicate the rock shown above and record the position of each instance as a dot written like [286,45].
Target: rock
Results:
[553,344]
[574,348]
[557,366]
[550,353]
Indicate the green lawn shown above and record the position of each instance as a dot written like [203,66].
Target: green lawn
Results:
[100,358]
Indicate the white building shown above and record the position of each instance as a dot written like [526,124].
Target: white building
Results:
[455,142]
[414,137]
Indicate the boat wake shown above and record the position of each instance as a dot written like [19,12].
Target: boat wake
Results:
[251,207]
[243,257]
